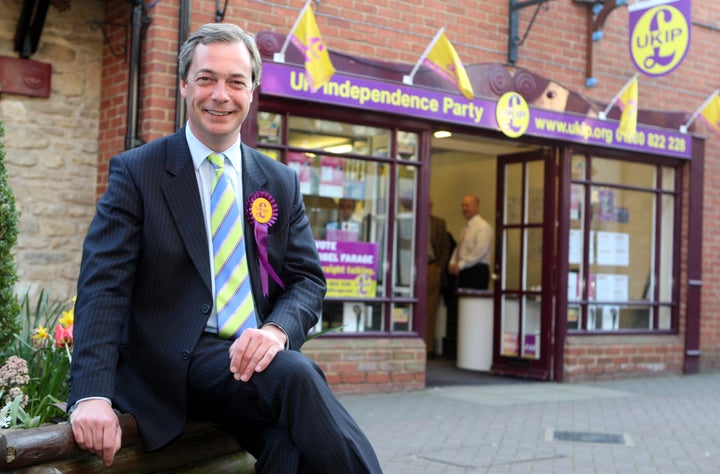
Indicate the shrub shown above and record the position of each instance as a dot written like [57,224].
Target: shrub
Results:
[9,307]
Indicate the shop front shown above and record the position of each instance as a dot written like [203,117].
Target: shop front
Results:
[589,242]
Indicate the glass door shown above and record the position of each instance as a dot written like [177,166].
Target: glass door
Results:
[524,265]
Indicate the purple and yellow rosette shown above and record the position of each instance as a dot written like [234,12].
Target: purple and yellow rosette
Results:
[261,210]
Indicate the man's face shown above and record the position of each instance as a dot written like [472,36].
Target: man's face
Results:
[347,207]
[469,207]
[218,92]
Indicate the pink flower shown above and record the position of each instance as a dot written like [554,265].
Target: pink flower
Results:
[14,372]
[63,336]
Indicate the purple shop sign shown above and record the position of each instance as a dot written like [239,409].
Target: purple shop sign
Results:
[364,93]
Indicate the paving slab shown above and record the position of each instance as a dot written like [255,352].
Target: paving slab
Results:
[643,425]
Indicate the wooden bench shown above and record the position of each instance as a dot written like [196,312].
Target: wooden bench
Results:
[201,448]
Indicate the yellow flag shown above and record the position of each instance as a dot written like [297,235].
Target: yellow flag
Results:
[628,103]
[444,60]
[711,113]
[306,37]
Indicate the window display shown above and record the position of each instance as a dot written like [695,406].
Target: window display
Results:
[622,216]
[344,171]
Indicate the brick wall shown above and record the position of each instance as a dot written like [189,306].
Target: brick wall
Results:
[611,357]
[57,148]
[370,365]
[114,77]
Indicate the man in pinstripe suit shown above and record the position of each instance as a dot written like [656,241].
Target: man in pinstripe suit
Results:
[145,325]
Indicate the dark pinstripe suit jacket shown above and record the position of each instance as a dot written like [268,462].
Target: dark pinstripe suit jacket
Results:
[144,291]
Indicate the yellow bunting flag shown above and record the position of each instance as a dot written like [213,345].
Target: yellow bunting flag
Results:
[444,60]
[711,112]
[628,102]
[306,37]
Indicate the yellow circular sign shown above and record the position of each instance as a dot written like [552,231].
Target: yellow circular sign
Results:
[659,40]
[262,210]
[512,114]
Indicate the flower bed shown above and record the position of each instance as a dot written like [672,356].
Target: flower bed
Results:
[34,434]
[34,369]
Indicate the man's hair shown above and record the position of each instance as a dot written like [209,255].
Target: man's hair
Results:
[220,33]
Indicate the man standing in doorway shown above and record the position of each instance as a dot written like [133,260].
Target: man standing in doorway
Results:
[471,258]
[438,256]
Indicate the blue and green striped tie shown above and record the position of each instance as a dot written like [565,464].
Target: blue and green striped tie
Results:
[233,298]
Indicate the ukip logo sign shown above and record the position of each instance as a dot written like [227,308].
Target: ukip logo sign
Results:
[659,35]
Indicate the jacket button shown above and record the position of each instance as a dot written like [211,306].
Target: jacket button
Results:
[205,308]
[185,354]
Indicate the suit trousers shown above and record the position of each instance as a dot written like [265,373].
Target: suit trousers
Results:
[434,283]
[476,277]
[286,416]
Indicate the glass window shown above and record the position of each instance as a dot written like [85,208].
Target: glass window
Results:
[407,146]
[271,152]
[345,172]
[617,241]
[514,192]
[405,231]
[269,128]
[513,259]
[520,335]
[533,259]
[338,137]
[402,319]
[344,200]
[535,191]
[577,167]
[668,179]
[623,172]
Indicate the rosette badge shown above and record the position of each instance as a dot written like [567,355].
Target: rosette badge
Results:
[261,211]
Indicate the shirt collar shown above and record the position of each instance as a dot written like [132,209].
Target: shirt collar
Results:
[199,151]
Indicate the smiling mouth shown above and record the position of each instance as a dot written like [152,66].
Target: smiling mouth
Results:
[218,114]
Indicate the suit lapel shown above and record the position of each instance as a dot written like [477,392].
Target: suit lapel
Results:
[252,175]
[183,199]
[253,179]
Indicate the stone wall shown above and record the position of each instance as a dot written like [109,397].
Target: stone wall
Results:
[51,145]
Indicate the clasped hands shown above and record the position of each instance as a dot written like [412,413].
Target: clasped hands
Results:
[96,427]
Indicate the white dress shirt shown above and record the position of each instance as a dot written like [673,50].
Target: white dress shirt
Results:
[474,245]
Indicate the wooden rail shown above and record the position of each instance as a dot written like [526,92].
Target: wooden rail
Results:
[201,448]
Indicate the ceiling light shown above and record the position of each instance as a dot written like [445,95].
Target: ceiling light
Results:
[345,148]
[442,134]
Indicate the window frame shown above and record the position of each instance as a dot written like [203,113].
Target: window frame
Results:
[389,300]
[580,307]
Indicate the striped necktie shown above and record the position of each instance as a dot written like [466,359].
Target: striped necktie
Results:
[233,298]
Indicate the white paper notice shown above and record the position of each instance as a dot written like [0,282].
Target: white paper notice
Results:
[613,248]
[573,294]
[575,246]
[611,287]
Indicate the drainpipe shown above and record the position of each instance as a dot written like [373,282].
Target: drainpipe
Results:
[182,36]
[139,20]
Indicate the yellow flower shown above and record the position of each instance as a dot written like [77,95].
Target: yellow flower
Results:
[41,333]
[68,317]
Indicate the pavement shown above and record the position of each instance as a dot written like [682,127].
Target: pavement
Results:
[668,424]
